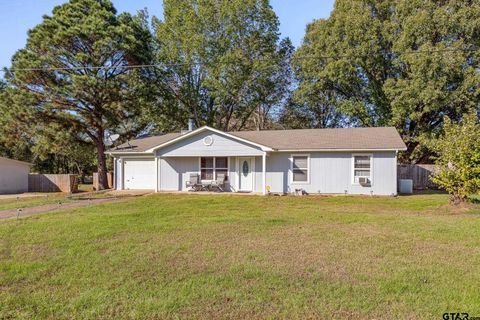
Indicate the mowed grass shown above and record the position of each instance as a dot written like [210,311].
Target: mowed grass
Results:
[243,257]
[34,200]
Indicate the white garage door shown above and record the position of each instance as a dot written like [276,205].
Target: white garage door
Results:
[139,174]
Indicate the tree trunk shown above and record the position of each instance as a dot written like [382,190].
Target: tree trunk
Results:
[102,162]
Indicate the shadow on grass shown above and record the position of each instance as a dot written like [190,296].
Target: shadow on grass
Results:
[423,193]
[475,198]
[429,191]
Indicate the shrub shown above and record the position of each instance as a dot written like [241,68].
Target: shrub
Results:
[459,158]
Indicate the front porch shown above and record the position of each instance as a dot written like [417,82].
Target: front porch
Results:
[238,174]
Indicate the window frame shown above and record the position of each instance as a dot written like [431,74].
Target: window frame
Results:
[370,155]
[214,168]
[292,156]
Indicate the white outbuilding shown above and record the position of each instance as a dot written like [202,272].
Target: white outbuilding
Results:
[13,176]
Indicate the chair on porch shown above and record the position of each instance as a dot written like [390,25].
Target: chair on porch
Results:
[219,183]
[194,182]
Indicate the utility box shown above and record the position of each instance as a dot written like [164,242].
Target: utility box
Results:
[406,186]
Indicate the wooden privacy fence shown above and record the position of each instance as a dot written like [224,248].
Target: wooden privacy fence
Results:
[52,183]
[419,173]
[109,180]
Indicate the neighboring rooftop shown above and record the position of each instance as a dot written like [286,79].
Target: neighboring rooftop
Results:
[380,138]
[13,160]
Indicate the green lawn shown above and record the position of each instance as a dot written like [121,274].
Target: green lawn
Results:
[27,202]
[247,257]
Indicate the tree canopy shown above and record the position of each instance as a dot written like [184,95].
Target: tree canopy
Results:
[402,63]
[87,72]
[74,72]
[224,63]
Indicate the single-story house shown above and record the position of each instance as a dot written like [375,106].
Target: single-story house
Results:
[13,176]
[329,161]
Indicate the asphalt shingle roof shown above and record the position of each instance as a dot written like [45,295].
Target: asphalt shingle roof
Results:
[380,138]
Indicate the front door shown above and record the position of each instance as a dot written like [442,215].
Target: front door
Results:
[245,174]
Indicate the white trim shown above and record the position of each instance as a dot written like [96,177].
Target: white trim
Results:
[119,154]
[144,157]
[337,150]
[114,173]
[156,174]
[122,168]
[210,156]
[237,175]
[214,167]
[395,168]
[204,128]
[264,173]
[291,168]
[228,172]
[160,165]
[252,173]
[353,168]
[208,140]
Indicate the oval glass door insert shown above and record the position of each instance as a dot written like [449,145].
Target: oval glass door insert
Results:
[245,168]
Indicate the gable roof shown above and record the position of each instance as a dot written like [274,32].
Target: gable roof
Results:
[143,144]
[206,128]
[358,139]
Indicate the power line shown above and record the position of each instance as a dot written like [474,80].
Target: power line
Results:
[138,66]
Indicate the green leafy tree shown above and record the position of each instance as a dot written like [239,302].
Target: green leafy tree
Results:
[76,66]
[48,146]
[224,63]
[459,158]
[15,125]
[359,63]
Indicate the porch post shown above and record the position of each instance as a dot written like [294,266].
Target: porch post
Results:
[156,173]
[122,175]
[264,172]
[114,179]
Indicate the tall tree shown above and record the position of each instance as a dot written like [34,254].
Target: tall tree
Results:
[15,125]
[48,146]
[76,66]
[224,63]
[366,62]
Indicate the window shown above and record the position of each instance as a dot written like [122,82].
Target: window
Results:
[300,168]
[362,168]
[221,166]
[206,168]
[210,167]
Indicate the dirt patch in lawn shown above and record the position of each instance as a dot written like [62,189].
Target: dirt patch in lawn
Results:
[13,213]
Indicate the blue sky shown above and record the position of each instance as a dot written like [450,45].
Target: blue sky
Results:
[18,16]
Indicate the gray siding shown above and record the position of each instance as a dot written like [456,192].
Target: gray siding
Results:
[221,146]
[257,178]
[331,172]
[174,172]
[232,175]
[278,167]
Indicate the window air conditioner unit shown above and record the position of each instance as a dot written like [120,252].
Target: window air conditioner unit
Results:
[363,181]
